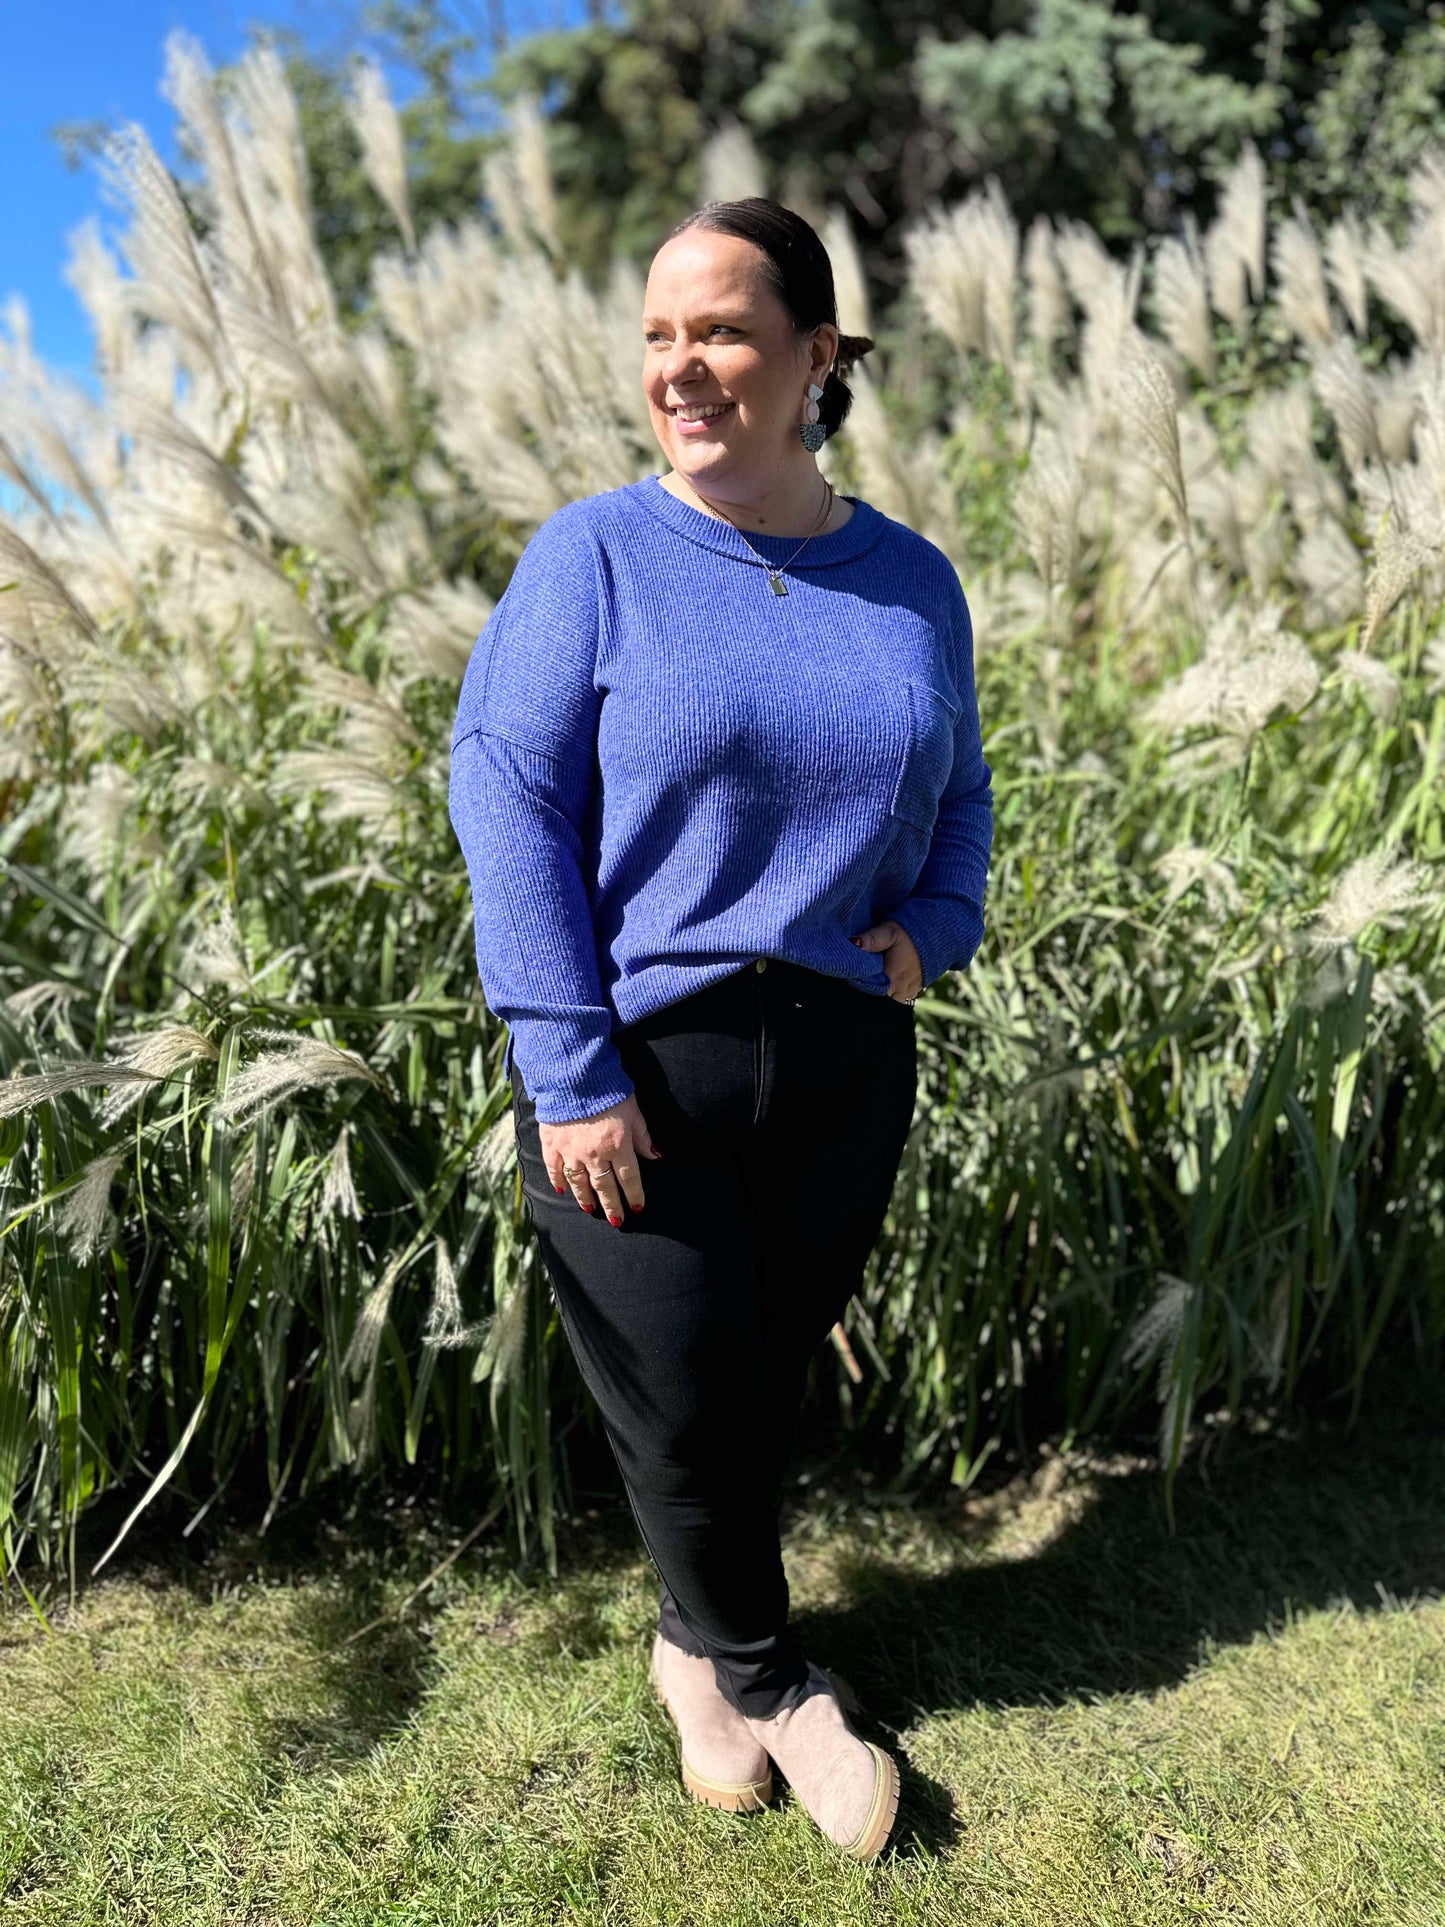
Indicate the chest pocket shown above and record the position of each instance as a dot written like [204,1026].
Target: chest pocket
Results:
[930,718]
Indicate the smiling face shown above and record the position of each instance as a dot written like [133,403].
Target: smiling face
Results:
[715,334]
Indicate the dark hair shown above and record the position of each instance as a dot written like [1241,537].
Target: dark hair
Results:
[797,269]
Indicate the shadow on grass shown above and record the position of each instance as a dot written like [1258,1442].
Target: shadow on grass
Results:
[1302,1516]
[1269,1524]
[356,1695]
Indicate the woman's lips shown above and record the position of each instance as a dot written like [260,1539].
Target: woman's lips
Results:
[691,429]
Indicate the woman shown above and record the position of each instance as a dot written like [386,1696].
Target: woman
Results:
[718,777]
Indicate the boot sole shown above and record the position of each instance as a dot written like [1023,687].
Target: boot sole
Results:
[740,1796]
[876,1828]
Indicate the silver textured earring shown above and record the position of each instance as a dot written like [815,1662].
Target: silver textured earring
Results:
[811,431]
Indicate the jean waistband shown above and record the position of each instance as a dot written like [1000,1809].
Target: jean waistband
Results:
[780,975]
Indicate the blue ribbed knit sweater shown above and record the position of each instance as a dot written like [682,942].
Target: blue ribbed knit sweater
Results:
[661,770]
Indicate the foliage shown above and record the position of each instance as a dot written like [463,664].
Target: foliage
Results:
[1121,117]
[1181,1141]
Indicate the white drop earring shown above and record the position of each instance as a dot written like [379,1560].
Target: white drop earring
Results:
[811,431]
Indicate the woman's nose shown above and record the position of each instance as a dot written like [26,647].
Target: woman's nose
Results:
[681,364]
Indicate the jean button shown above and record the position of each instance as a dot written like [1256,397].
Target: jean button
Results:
[761,964]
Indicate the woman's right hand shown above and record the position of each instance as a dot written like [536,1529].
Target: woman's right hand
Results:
[603,1151]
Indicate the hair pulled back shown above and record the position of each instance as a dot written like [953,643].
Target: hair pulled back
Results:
[797,269]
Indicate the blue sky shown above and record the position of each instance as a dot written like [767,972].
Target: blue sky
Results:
[84,60]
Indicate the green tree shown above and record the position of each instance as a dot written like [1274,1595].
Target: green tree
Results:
[1117,115]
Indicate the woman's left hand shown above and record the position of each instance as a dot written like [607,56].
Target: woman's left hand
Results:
[900,959]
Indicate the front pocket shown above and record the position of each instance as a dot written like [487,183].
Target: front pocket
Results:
[930,720]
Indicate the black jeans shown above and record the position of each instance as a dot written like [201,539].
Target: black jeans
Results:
[781,1100]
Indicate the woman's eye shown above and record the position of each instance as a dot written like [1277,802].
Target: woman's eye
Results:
[712,330]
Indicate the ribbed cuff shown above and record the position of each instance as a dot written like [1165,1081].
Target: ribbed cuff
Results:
[946,931]
[568,1076]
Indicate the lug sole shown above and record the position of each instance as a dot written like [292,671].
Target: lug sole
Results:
[732,1796]
[875,1830]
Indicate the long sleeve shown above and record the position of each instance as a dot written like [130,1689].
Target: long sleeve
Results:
[943,913]
[521,790]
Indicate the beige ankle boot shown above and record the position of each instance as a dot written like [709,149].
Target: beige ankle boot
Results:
[722,1763]
[848,1786]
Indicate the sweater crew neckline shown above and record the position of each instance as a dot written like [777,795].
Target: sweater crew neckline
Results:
[858,533]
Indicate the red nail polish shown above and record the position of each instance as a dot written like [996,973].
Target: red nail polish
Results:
[639,1207]
[560,1188]
[612,1220]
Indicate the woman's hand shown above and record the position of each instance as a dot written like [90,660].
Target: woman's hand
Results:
[900,959]
[603,1151]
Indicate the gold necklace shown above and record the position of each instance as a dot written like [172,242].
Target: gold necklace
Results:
[779,587]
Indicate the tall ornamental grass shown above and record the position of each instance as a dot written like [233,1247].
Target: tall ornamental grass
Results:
[1180,1144]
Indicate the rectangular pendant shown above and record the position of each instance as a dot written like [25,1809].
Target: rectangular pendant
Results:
[779,586]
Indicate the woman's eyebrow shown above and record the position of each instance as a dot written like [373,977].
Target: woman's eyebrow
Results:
[708,314]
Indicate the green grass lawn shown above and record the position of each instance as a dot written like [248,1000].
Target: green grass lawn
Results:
[1097,1721]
